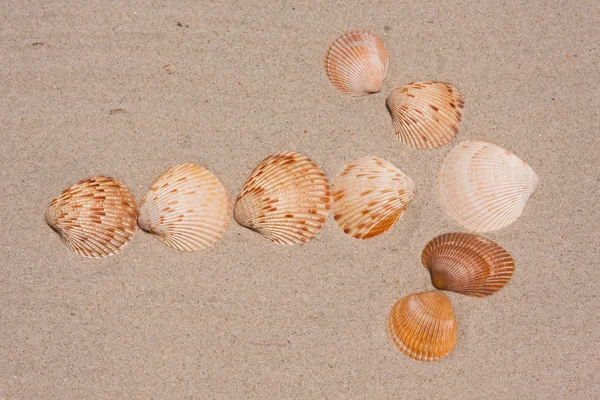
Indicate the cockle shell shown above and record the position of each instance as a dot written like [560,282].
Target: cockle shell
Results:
[484,187]
[357,63]
[96,217]
[286,199]
[369,196]
[423,326]
[426,115]
[187,208]
[467,263]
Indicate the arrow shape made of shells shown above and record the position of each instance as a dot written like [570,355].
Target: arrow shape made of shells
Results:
[287,199]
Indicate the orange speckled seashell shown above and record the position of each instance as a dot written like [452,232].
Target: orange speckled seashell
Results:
[96,217]
[484,187]
[468,264]
[426,115]
[357,63]
[286,199]
[187,208]
[369,196]
[423,326]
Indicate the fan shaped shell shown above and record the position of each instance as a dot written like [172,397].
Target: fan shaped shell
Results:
[96,217]
[426,115]
[468,264]
[423,326]
[484,187]
[187,208]
[369,196]
[357,63]
[286,199]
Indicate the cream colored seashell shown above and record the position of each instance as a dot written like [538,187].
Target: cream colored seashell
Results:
[96,217]
[423,326]
[187,208]
[357,63]
[467,263]
[426,115]
[369,196]
[484,187]
[286,199]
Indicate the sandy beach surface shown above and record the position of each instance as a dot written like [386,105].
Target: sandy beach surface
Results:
[128,89]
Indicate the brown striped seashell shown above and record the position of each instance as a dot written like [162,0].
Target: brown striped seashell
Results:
[426,115]
[369,196]
[468,264]
[423,326]
[484,187]
[96,217]
[357,63]
[187,208]
[285,199]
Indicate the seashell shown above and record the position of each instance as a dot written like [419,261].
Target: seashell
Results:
[484,187]
[426,115]
[369,196]
[467,263]
[357,63]
[286,199]
[96,217]
[422,326]
[187,208]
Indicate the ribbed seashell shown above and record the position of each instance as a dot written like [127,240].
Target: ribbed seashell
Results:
[369,196]
[286,199]
[484,187]
[467,263]
[357,63]
[422,326]
[96,217]
[187,208]
[426,115]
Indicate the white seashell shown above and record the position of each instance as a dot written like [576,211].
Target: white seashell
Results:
[369,196]
[96,217]
[286,199]
[357,63]
[187,208]
[484,187]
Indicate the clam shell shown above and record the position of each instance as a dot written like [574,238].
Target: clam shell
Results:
[357,63]
[187,208]
[369,196]
[484,187]
[467,263]
[96,217]
[426,115]
[423,326]
[286,199]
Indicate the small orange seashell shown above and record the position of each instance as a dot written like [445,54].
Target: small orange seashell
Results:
[426,115]
[423,326]
[187,208]
[286,199]
[468,264]
[484,187]
[96,217]
[369,196]
[357,63]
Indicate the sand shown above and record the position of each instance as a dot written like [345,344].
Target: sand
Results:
[128,89]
